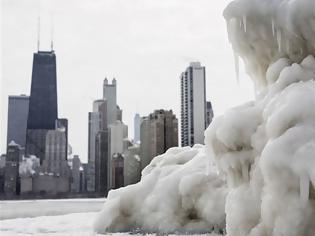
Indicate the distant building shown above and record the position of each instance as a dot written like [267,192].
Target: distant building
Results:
[107,134]
[17,119]
[117,166]
[132,165]
[101,161]
[209,114]
[193,104]
[94,127]
[137,123]
[118,133]
[76,175]
[110,95]
[11,176]
[98,144]
[55,161]
[119,113]
[43,108]
[159,132]
[2,172]
[85,167]
[62,124]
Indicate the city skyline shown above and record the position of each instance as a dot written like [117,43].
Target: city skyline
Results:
[137,61]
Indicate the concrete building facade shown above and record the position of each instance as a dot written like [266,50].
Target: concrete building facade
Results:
[11,172]
[118,133]
[137,123]
[110,95]
[117,166]
[132,165]
[159,132]
[94,127]
[55,161]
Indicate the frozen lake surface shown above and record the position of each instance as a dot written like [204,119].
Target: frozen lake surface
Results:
[50,217]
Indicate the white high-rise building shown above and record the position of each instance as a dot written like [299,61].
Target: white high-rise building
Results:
[137,123]
[193,104]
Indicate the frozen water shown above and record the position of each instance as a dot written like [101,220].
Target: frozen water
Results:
[77,221]
[177,193]
[261,179]
[35,208]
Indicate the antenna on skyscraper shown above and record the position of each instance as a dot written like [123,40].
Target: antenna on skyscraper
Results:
[38,33]
[52,34]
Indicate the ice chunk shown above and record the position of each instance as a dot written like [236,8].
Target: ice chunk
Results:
[244,18]
[273,26]
[237,67]
[279,39]
[304,188]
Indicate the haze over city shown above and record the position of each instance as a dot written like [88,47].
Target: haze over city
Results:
[145,45]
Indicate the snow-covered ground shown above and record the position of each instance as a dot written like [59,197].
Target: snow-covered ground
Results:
[35,208]
[50,217]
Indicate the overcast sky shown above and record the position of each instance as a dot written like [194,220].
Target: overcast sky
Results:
[144,44]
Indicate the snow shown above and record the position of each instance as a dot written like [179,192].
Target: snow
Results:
[35,208]
[256,172]
[28,166]
[70,224]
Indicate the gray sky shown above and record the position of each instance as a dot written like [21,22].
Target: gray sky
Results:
[144,44]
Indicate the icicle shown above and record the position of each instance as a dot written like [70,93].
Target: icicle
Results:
[208,167]
[288,46]
[304,188]
[273,26]
[245,173]
[245,23]
[237,67]
[279,40]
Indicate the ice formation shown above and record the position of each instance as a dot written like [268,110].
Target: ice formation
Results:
[175,194]
[261,178]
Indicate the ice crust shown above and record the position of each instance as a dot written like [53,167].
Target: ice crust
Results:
[176,194]
[255,176]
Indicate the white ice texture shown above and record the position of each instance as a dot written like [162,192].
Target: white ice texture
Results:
[256,174]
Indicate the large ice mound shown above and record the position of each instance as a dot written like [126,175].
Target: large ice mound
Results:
[257,169]
[177,193]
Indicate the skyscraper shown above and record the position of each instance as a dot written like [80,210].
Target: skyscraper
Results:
[118,133]
[209,114]
[17,119]
[159,132]
[107,134]
[43,108]
[98,147]
[193,104]
[55,161]
[11,178]
[137,123]
[94,127]
[110,94]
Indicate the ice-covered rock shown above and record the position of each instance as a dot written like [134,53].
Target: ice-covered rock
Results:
[177,193]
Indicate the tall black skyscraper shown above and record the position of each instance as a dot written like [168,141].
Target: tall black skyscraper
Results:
[43,108]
